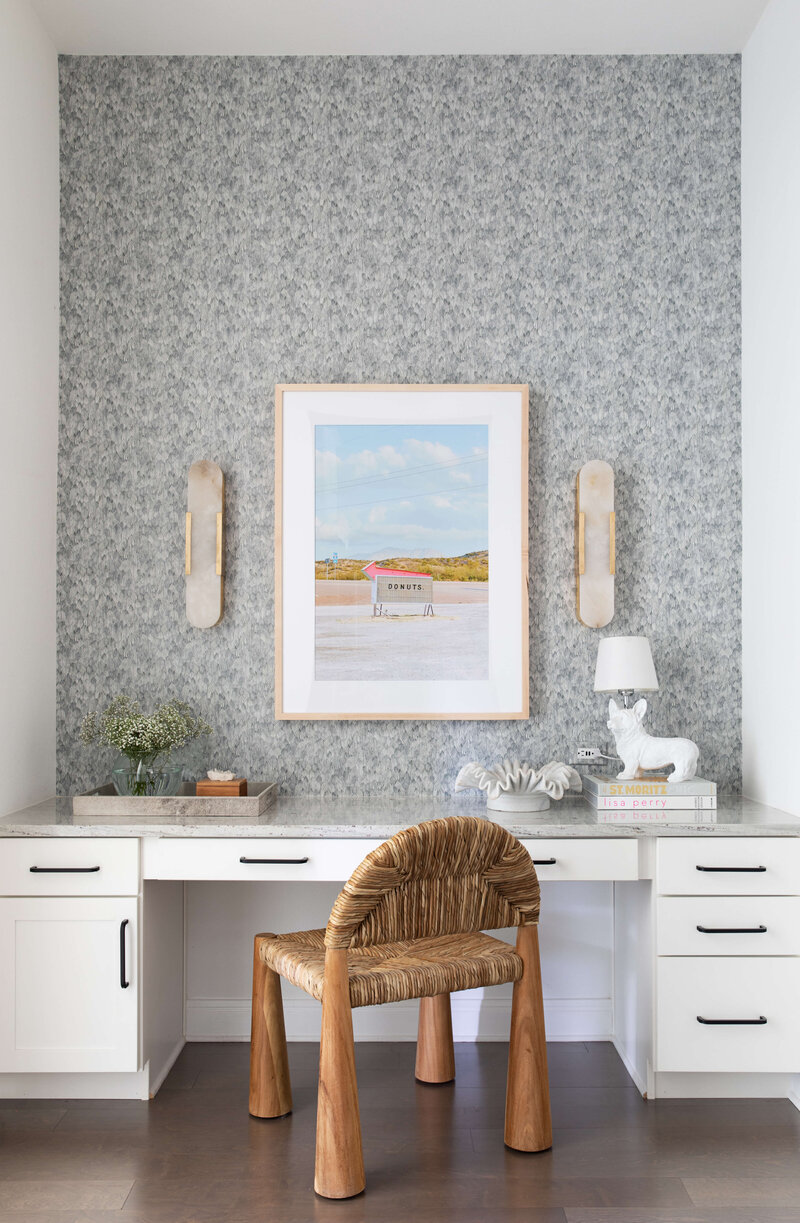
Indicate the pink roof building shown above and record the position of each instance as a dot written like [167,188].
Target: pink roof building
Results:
[374,571]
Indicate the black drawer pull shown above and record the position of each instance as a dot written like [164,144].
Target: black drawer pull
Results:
[274,861]
[732,929]
[741,870]
[761,1019]
[543,861]
[123,981]
[64,870]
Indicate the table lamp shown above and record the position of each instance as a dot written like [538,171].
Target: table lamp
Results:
[625,665]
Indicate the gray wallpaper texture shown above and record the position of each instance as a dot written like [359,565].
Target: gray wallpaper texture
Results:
[569,223]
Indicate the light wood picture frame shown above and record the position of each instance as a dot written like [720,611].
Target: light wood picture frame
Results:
[411,501]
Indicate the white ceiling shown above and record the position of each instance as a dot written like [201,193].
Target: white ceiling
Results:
[397,27]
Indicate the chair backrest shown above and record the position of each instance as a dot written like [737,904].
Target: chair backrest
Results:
[445,876]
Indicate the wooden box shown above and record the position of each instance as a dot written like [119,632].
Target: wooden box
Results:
[206,788]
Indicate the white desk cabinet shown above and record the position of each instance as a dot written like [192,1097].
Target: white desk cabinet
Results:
[70,996]
[727,979]
[116,942]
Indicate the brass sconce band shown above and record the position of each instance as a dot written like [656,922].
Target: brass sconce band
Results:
[188,568]
[595,560]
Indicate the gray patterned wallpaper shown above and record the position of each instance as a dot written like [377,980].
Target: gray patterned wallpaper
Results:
[572,223]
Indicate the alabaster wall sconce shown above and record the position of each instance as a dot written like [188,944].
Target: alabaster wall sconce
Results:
[204,544]
[595,544]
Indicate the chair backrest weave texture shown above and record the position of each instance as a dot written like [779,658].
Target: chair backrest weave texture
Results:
[445,876]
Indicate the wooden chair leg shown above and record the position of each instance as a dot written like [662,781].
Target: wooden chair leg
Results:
[270,1088]
[528,1126]
[340,1161]
[436,1061]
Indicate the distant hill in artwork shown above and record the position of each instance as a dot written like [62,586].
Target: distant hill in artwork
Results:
[471,567]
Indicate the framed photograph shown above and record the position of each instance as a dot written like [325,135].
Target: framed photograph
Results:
[401,551]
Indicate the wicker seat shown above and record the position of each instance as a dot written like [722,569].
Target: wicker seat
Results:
[408,924]
[393,972]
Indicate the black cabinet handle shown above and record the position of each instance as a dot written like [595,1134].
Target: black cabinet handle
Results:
[274,861]
[732,929]
[543,861]
[761,1019]
[123,981]
[741,870]
[63,870]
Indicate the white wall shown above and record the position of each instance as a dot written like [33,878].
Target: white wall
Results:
[28,403]
[771,405]
[221,919]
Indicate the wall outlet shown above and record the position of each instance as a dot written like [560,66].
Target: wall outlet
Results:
[590,753]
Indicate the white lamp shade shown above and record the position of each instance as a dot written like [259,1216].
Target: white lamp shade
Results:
[625,663]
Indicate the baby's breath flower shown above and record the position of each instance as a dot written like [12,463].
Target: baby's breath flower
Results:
[123,725]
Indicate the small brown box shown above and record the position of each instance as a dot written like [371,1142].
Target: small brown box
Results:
[207,788]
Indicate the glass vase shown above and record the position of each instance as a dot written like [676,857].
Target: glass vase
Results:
[146,777]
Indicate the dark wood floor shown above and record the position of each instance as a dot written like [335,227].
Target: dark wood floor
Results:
[432,1153]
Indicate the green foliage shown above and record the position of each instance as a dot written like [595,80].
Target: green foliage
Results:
[143,736]
[471,567]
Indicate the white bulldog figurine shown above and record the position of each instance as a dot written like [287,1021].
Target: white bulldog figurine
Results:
[638,750]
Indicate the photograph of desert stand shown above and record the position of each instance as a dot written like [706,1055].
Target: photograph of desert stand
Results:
[401,552]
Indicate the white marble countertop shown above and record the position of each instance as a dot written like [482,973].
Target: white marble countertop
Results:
[382,817]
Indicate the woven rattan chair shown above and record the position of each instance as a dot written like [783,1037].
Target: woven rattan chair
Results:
[408,924]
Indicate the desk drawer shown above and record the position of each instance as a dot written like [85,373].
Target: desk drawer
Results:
[265,858]
[69,866]
[729,866]
[731,925]
[587,858]
[728,988]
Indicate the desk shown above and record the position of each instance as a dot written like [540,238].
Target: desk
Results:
[93,937]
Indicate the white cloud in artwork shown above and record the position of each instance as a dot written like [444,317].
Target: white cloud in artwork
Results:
[382,499]
[327,464]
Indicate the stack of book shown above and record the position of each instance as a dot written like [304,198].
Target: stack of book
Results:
[653,793]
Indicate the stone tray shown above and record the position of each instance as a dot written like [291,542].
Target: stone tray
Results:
[106,802]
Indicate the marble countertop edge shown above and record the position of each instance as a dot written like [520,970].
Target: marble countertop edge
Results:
[376,818]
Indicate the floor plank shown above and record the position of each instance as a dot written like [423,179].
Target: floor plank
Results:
[656,1214]
[777,1190]
[17,1195]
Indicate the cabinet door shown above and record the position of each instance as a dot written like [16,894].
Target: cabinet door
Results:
[70,996]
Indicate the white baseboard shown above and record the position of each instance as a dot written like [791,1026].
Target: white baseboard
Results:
[629,1066]
[100,1086]
[157,1076]
[734,1086]
[474,1018]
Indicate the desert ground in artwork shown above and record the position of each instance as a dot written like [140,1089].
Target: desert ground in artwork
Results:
[452,644]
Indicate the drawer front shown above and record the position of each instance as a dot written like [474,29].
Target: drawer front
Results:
[728,925]
[318,858]
[726,988]
[256,858]
[69,866]
[728,866]
[590,858]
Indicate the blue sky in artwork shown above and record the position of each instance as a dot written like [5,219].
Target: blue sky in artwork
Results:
[401,490]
